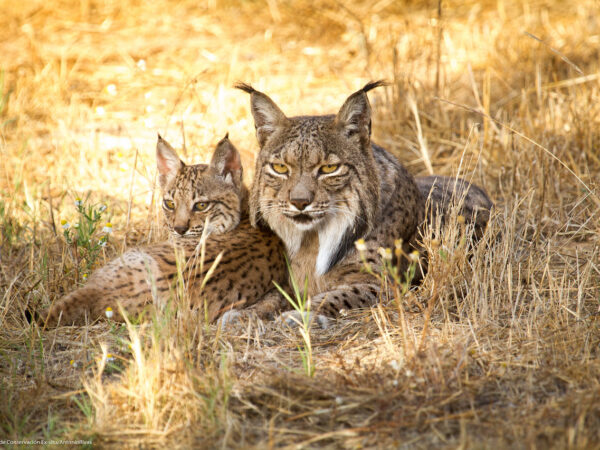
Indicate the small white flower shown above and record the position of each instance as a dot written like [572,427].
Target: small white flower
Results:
[84,276]
[395,365]
[414,256]
[149,108]
[108,312]
[385,253]
[100,110]
[110,357]
[64,224]
[141,64]
[360,245]
[102,208]
[339,400]
[74,364]
[103,244]
[107,228]
[78,202]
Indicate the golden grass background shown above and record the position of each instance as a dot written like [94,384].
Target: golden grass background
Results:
[509,355]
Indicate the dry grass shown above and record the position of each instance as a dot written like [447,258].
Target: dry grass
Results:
[508,354]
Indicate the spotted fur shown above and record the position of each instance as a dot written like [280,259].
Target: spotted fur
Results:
[252,258]
[319,213]
[474,203]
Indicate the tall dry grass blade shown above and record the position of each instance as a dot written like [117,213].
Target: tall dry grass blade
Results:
[553,50]
[420,138]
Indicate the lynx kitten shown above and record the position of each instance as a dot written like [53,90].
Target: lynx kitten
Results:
[251,260]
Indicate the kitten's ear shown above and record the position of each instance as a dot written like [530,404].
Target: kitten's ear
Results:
[267,115]
[227,162]
[167,162]
[354,117]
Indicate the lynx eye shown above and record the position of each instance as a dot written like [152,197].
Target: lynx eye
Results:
[200,206]
[280,168]
[328,168]
[169,204]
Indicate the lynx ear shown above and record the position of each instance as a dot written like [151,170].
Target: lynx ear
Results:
[167,162]
[227,162]
[267,115]
[354,117]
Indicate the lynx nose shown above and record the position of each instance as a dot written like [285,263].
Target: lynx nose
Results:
[181,229]
[301,196]
[300,203]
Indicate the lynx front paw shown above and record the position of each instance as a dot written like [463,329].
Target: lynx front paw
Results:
[295,319]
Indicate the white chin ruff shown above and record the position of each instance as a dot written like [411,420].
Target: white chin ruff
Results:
[330,235]
[305,226]
[330,230]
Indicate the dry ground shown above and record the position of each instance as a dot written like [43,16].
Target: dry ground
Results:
[506,352]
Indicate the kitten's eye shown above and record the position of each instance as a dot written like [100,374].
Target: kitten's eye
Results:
[169,204]
[280,168]
[201,206]
[328,168]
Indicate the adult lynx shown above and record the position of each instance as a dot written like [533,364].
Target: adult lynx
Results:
[320,185]
[251,260]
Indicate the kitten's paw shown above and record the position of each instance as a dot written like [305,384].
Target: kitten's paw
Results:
[295,319]
[234,318]
[230,319]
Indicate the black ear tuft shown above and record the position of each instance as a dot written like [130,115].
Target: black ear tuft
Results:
[374,84]
[354,117]
[244,87]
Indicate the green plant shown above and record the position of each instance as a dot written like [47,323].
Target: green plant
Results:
[85,236]
[53,426]
[214,391]
[84,403]
[301,304]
